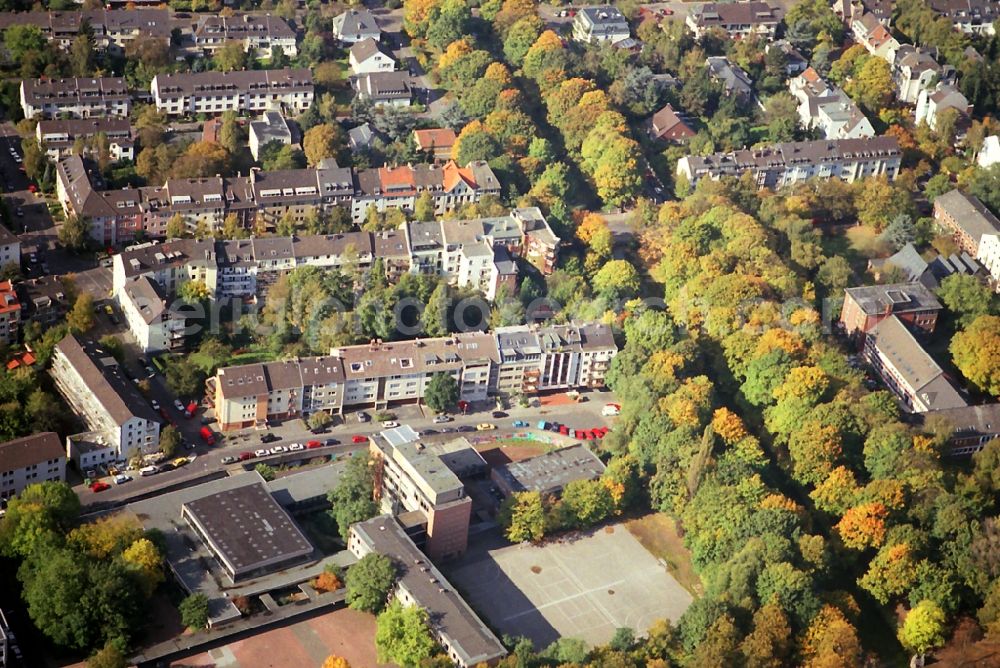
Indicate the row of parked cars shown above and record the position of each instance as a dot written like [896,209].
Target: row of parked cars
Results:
[581,434]
[281,449]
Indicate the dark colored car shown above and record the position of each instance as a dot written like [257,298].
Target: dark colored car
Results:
[499,414]
[269,438]
[332,441]
[168,466]
[428,432]
[555,426]
[466,428]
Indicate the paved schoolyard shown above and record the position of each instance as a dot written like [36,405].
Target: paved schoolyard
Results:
[306,644]
[584,586]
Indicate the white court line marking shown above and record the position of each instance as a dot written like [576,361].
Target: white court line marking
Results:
[562,600]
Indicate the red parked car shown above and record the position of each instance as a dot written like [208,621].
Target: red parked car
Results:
[190,410]
[564,430]
[313,444]
[207,436]
[579,434]
[245,456]
[359,439]
[99,486]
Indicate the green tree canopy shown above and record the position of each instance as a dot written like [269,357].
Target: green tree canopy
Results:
[369,582]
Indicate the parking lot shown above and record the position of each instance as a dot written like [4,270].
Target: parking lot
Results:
[565,588]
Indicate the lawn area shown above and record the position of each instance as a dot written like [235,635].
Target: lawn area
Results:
[658,534]
[864,240]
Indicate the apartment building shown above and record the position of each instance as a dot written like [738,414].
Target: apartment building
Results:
[907,370]
[30,460]
[736,19]
[10,313]
[60,137]
[10,248]
[973,17]
[870,32]
[258,33]
[411,478]
[456,627]
[966,219]
[828,108]
[989,257]
[912,303]
[94,385]
[155,326]
[43,300]
[931,103]
[787,163]
[246,91]
[593,25]
[113,31]
[75,98]
[513,360]
[915,69]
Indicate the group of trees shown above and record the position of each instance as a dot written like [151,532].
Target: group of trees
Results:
[353,498]
[85,585]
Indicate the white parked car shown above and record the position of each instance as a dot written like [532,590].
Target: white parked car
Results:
[178,405]
[260,453]
[121,479]
[278,449]
[296,446]
[441,419]
[148,470]
[389,424]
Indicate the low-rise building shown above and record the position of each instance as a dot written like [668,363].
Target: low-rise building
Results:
[871,33]
[548,473]
[906,368]
[734,81]
[94,385]
[989,257]
[113,31]
[259,33]
[366,57]
[794,162]
[43,300]
[10,248]
[29,460]
[603,23]
[989,154]
[355,25]
[272,126]
[456,627]
[10,313]
[59,137]
[966,219]
[75,98]
[828,108]
[973,17]
[668,125]
[915,70]
[245,91]
[931,103]
[736,19]
[972,426]
[795,62]
[867,306]
[852,10]
[391,89]
[436,142]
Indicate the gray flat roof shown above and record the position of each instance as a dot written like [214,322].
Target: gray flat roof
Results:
[247,528]
[548,473]
[897,298]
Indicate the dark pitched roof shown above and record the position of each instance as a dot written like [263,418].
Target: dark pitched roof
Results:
[28,450]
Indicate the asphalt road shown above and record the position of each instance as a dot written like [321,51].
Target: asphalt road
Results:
[585,415]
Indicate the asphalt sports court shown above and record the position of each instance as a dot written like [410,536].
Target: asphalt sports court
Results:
[585,586]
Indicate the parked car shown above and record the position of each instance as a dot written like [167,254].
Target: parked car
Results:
[178,405]
[165,466]
[229,459]
[448,430]
[520,424]
[148,470]
[155,404]
[245,456]
[564,430]
[499,414]
[555,427]
[390,424]
[191,408]
[121,479]
[485,426]
[441,419]
[465,428]
[278,449]
[312,445]
[580,434]
[207,435]
[260,453]
[269,438]
[427,432]
[363,417]
[332,441]
[543,425]
[19,212]
[359,439]
[99,486]
[295,447]
[611,409]
[180,461]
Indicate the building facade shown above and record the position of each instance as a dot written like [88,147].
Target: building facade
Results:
[30,460]
[736,19]
[867,306]
[10,313]
[58,138]
[155,326]
[966,219]
[75,98]
[604,23]
[246,92]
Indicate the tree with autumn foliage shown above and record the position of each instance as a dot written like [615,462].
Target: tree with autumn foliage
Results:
[831,641]
[863,526]
[334,661]
[976,352]
[924,628]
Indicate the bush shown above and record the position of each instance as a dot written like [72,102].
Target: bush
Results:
[326,581]
[194,611]
[266,472]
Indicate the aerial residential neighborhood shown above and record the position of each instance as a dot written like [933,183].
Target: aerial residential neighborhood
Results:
[430,333]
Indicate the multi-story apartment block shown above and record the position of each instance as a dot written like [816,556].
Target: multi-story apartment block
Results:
[259,33]
[866,306]
[75,98]
[974,17]
[736,19]
[247,91]
[113,31]
[29,460]
[155,326]
[94,385]
[906,368]
[456,627]
[10,313]
[10,248]
[915,70]
[794,162]
[272,126]
[43,299]
[828,108]
[973,426]
[593,25]
[264,198]
[412,478]
[512,360]
[59,138]
[966,219]
[989,256]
